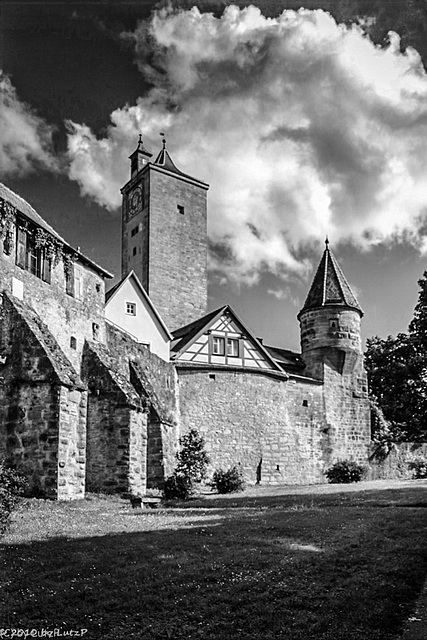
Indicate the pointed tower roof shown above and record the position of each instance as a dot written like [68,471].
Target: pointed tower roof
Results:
[141,149]
[329,286]
[164,159]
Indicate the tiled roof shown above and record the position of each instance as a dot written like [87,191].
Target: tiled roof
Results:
[330,287]
[288,360]
[184,334]
[165,161]
[31,214]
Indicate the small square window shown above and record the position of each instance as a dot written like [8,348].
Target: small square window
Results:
[180,208]
[131,308]
[218,346]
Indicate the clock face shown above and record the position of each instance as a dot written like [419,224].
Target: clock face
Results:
[135,201]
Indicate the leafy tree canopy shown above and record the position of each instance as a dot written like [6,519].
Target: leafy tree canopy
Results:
[397,373]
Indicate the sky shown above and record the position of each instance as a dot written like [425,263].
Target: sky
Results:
[302,126]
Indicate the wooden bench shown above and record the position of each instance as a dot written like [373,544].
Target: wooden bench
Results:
[144,502]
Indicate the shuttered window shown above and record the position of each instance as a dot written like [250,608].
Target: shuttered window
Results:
[70,280]
[31,257]
[21,248]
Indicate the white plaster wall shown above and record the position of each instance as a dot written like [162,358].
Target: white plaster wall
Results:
[144,326]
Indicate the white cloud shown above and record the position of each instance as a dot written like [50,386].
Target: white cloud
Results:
[303,128]
[25,138]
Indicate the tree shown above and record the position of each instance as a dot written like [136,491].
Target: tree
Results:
[397,374]
[191,468]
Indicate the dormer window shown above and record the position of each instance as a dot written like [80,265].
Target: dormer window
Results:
[131,308]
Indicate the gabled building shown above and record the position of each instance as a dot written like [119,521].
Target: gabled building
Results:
[128,307]
[96,389]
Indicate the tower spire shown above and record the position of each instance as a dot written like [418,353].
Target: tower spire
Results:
[139,158]
[329,286]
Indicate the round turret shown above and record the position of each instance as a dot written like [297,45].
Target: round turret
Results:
[330,320]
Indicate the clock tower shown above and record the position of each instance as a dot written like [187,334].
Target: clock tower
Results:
[164,235]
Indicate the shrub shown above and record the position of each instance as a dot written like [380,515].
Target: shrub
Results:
[177,487]
[345,471]
[418,466]
[190,469]
[229,481]
[12,487]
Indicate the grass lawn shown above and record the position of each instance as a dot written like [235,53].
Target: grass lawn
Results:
[320,564]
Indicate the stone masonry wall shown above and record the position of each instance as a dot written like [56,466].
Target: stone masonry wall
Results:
[156,382]
[116,446]
[116,426]
[347,414]
[269,426]
[29,431]
[42,406]
[395,465]
[177,280]
[72,444]
[65,315]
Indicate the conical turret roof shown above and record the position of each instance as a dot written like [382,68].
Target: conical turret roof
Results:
[330,287]
[164,160]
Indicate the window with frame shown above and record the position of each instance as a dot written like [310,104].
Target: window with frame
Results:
[69,273]
[78,282]
[218,346]
[30,257]
[131,308]
[233,347]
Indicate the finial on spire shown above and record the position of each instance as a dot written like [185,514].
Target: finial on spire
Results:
[163,140]
[140,140]
[327,242]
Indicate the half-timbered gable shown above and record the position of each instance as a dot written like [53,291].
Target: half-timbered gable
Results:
[221,339]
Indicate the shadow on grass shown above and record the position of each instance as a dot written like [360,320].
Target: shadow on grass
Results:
[289,567]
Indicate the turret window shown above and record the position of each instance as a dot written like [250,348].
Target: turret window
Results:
[180,208]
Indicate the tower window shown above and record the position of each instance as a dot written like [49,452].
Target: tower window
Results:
[305,403]
[218,346]
[95,331]
[131,308]
[180,208]
[73,342]
[134,251]
[134,231]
